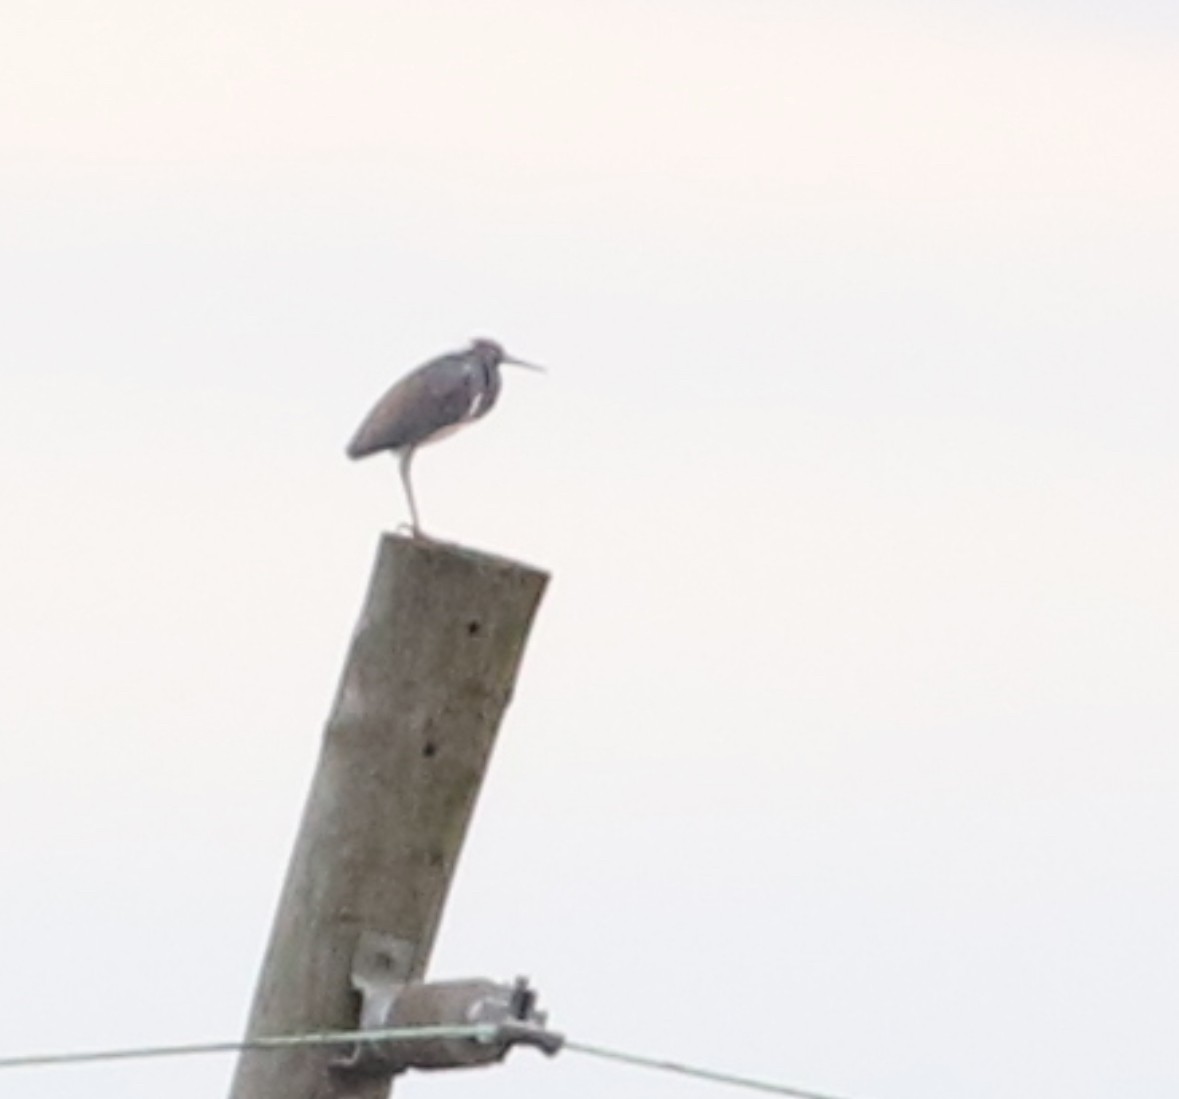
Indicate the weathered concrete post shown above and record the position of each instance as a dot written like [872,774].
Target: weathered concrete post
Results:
[430,671]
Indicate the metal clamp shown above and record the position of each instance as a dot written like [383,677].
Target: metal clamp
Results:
[505,1015]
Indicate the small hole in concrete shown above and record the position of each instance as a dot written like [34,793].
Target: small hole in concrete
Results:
[473,629]
[430,749]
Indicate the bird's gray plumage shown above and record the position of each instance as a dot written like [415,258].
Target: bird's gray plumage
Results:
[444,393]
[430,402]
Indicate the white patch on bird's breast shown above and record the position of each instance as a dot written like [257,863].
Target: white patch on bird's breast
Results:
[476,405]
[478,401]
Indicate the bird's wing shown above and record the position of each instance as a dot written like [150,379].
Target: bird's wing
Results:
[439,394]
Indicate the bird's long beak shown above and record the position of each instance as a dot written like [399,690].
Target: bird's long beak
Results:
[527,366]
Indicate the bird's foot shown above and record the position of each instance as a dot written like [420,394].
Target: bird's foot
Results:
[416,533]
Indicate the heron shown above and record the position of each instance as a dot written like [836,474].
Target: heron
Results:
[431,402]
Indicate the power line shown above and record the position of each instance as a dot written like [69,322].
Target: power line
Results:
[694,1071]
[484,1032]
[285,1041]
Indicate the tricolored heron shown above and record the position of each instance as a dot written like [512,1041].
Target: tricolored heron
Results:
[430,403]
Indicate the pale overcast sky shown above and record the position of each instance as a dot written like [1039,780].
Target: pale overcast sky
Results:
[845,752]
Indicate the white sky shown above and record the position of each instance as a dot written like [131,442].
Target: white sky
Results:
[845,752]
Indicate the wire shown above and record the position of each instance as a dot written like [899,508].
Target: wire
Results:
[484,1032]
[691,1070]
[285,1041]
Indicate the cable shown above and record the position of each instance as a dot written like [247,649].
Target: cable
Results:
[691,1070]
[325,1038]
[484,1032]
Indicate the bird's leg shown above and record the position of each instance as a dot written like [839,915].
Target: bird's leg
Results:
[405,461]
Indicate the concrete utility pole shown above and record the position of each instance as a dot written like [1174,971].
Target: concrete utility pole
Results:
[428,676]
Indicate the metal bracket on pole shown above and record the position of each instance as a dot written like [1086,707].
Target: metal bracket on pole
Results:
[380,966]
[506,1014]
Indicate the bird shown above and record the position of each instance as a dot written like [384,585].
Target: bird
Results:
[431,402]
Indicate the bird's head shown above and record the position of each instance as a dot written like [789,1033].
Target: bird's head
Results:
[490,354]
